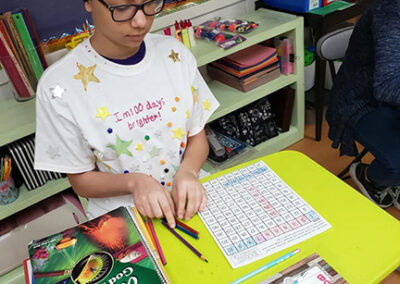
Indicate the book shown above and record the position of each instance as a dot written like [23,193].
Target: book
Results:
[311,270]
[28,44]
[28,272]
[15,72]
[255,80]
[16,39]
[112,248]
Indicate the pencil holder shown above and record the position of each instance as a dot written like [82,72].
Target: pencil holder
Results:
[8,191]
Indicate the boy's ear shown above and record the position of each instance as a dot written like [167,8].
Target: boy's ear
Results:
[88,6]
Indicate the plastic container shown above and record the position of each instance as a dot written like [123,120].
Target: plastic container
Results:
[294,5]
[8,191]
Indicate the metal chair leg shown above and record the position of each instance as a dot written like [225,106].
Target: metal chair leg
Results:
[342,174]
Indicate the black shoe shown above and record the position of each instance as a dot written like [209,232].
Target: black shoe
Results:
[380,197]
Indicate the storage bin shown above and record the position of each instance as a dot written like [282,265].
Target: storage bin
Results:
[294,5]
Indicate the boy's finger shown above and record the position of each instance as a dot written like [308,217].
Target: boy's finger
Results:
[203,202]
[167,211]
[191,205]
[180,203]
[170,201]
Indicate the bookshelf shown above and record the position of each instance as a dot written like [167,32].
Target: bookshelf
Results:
[271,24]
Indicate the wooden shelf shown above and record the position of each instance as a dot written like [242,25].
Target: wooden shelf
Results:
[27,198]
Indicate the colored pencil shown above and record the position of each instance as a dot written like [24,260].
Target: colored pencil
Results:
[193,235]
[266,266]
[183,225]
[158,246]
[184,242]
[150,233]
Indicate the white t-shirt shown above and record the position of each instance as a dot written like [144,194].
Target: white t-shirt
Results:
[96,114]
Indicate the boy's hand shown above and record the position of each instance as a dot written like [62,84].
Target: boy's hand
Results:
[188,194]
[153,200]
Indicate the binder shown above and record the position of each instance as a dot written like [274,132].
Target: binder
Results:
[28,44]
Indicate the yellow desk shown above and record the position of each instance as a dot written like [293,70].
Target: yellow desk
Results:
[363,244]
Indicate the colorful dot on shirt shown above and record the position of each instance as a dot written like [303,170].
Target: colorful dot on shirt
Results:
[163,183]
[180,152]
[169,124]
[168,184]
[166,170]
[126,172]
[177,99]
[183,144]
[109,130]
[173,109]
[147,137]
[162,162]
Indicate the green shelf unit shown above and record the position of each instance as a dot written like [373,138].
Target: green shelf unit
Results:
[231,99]
[27,198]
[17,120]
[270,146]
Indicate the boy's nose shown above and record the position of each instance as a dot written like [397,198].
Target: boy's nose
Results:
[140,20]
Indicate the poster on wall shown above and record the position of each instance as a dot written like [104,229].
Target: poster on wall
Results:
[171,6]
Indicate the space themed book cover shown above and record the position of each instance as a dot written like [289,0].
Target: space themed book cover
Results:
[113,248]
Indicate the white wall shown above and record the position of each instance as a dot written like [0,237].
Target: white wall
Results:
[206,11]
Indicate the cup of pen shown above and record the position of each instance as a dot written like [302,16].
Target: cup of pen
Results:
[8,191]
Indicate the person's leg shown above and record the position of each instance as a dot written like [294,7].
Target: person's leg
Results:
[379,133]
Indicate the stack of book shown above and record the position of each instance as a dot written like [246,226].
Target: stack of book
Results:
[246,69]
[20,52]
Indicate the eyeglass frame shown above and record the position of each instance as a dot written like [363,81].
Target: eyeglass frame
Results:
[137,6]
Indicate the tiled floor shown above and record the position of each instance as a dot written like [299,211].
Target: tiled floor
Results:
[329,158]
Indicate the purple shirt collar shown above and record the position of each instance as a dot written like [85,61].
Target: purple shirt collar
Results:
[134,59]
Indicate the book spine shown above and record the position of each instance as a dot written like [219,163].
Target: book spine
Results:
[140,227]
[28,44]
[35,36]
[14,71]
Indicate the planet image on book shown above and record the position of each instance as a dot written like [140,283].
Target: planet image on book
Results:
[90,269]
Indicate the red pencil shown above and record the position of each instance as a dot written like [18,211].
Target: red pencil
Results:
[187,227]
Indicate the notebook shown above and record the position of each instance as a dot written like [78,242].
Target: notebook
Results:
[112,248]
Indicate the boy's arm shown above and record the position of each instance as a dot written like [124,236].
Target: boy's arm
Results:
[151,199]
[188,194]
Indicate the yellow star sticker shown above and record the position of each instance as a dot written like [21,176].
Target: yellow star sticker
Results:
[102,113]
[187,114]
[139,147]
[178,133]
[86,75]
[206,104]
[195,94]
[174,56]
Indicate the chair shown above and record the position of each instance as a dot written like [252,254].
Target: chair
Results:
[332,47]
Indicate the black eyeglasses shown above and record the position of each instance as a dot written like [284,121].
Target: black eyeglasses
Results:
[123,13]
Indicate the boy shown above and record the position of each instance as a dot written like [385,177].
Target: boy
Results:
[123,115]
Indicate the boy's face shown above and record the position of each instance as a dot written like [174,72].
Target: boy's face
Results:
[123,35]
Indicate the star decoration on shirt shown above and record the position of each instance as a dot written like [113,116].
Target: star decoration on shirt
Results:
[206,104]
[102,113]
[154,152]
[139,147]
[187,114]
[178,133]
[53,152]
[172,154]
[121,147]
[57,92]
[174,56]
[195,94]
[86,75]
